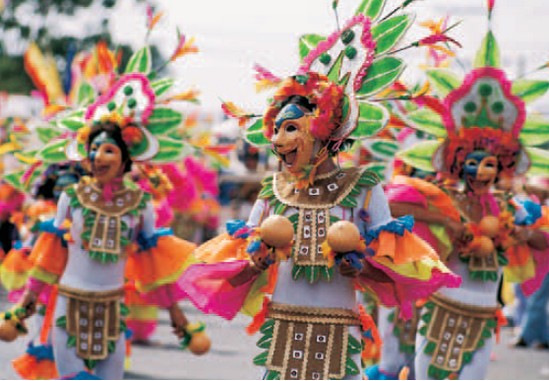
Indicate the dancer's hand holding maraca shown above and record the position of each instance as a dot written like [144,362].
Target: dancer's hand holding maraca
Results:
[344,239]
[12,324]
[196,339]
[277,233]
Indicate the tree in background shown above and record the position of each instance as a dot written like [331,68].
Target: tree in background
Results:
[24,21]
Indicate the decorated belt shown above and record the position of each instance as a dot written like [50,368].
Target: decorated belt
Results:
[311,342]
[93,318]
[454,332]
[463,308]
[405,330]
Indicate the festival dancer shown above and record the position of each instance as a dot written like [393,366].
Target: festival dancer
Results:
[184,197]
[37,361]
[104,232]
[476,230]
[399,335]
[312,326]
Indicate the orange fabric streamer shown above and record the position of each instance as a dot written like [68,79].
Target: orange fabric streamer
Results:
[48,317]
[371,350]
[258,319]
[272,277]
[222,248]
[402,249]
[518,255]
[501,322]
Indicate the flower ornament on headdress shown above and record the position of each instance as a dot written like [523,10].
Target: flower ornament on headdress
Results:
[340,75]
[484,111]
[129,104]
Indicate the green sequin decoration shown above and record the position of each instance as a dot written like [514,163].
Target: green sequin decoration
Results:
[498,107]
[470,107]
[485,90]
[347,36]
[350,52]
[325,58]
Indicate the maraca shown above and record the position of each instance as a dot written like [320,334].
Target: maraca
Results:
[8,331]
[277,231]
[12,325]
[489,226]
[482,246]
[198,341]
[343,237]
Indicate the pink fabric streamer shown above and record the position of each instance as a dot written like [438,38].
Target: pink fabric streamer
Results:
[421,229]
[208,288]
[402,291]
[42,289]
[166,295]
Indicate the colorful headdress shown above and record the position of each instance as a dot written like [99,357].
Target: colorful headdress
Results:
[132,98]
[484,111]
[339,74]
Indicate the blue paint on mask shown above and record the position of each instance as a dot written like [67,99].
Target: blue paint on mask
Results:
[470,169]
[288,112]
[102,138]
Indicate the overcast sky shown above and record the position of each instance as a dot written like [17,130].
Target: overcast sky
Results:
[234,34]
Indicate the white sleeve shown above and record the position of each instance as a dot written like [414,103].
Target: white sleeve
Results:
[62,210]
[149,219]
[257,213]
[378,208]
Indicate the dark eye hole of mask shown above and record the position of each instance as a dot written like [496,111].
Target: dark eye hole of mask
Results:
[291,128]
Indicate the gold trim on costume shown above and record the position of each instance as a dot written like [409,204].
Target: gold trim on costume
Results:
[314,204]
[407,329]
[107,227]
[456,328]
[93,318]
[325,193]
[309,342]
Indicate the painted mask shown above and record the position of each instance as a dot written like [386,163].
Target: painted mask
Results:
[292,140]
[105,159]
[480,171]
